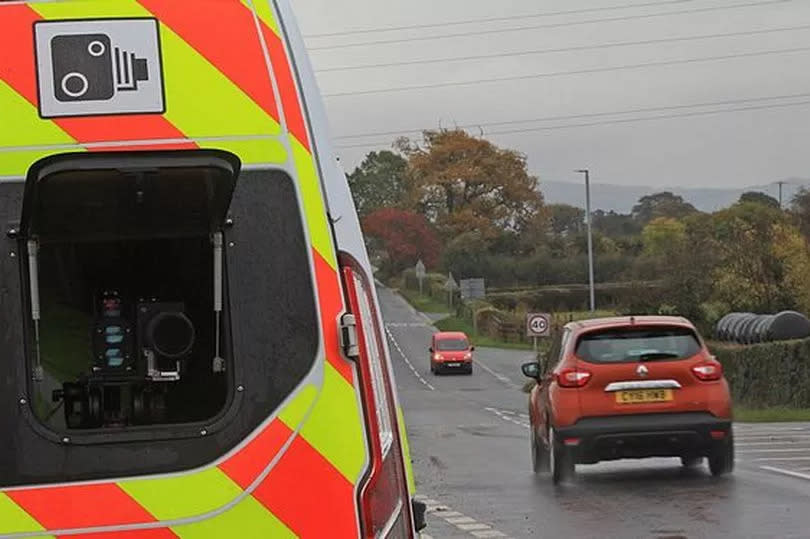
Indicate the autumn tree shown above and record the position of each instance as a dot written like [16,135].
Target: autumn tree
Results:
[800,208]
[379,182]
[663,236]
[398,239]
[664,204]
[565,220]
[463,183]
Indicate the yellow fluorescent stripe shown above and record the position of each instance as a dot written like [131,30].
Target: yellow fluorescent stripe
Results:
[28,129]
[406,449]
[319,230]
[294,412]
[252,151]
[185,495]
[200,100]
[265,13]
[247,520]
[335,426]
[14,520]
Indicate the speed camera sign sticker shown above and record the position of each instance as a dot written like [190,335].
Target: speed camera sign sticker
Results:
[537,324]
[99,67]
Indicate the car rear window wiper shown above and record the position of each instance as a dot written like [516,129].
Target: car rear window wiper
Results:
[655,356]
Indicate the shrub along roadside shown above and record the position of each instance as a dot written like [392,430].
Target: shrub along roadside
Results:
[767,375]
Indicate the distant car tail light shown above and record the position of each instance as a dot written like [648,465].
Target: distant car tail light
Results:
[384,504]
[708,371]
[573,377]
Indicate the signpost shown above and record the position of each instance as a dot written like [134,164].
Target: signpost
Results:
[473,289]
[420,274]
[538,325]
[451,286]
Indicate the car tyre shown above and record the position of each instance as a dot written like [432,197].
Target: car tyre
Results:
[561,461]
[691,462]
[721,462]
[540,456]
[469,370]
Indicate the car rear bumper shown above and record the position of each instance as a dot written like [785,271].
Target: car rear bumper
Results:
[689,434]
[454,365]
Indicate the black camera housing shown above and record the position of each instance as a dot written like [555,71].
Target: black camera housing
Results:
[82,67]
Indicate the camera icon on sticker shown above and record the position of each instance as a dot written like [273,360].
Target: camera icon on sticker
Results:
[89,68]
[99,67]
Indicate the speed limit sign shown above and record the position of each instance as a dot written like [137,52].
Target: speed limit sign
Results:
[538,324]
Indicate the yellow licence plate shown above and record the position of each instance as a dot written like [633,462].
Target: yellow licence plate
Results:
[640,396]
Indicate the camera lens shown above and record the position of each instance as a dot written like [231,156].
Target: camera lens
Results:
[75,84]
[170,334]
[96,48]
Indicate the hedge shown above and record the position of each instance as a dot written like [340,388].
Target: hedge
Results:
[766,375]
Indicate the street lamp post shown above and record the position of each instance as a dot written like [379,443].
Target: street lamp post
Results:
[590,235]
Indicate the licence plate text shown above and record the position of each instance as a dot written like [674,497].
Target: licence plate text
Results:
[640,396]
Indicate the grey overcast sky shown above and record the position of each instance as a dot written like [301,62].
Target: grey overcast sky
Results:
[770,141]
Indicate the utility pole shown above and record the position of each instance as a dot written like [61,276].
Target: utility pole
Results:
[586,172]
[781,183]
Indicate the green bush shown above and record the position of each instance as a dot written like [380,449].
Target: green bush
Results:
[767,375]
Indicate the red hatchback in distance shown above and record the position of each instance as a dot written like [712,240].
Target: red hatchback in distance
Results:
[630,387]
[451,350]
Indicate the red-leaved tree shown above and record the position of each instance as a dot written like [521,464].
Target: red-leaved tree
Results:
[398,238]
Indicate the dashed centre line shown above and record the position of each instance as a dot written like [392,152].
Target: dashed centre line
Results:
[407,361]
[457,520]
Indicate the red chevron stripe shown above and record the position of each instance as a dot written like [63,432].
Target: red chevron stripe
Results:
[18,70]
[81,506]
[246,465]
[330,511]
[331,303]
[226,37]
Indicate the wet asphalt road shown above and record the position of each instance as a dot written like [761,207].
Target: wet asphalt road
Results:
[470,447]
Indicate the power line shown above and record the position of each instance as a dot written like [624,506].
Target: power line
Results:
[567,49]
[492,19]
[645,65]
[544,26]
[591,115]
[611,122]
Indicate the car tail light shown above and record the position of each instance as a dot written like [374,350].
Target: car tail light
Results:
[384,503]
[573,377]
[708,372]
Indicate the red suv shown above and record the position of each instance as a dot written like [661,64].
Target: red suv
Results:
[630,387]
[451,350]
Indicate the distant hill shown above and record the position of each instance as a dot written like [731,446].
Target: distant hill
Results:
[622,198]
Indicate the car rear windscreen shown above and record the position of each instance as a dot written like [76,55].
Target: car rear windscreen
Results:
[617,345]
[452,345]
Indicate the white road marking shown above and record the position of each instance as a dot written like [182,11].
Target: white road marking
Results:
[781,459]
[458,520]
[503,415]
[407,361]
[498,376]
[786,472]
[751,451]
[406,325]
[476,526]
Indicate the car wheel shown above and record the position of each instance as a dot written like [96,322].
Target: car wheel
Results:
[691,462]
[561,461]
[540,460]
[469,369]
[721,461]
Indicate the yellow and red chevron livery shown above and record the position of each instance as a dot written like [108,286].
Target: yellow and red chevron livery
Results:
[236,79]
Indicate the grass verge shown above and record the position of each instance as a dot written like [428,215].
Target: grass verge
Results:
[453,323]
[423,303]
[771,415]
